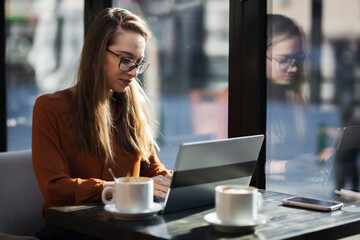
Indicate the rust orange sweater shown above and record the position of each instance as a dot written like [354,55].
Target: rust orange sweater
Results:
[65,175]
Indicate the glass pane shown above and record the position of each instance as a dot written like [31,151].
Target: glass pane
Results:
[43,44]
[313,69]
[188,77]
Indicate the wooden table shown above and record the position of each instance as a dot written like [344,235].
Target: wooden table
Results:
[283,222]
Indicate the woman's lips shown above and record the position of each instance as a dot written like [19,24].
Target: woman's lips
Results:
[126,82]
[289,76]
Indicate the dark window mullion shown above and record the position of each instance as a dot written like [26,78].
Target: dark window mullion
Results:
[92,8]
[3,127]
[247,85]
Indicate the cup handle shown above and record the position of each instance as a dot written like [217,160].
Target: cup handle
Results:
[103,195]
[260,201]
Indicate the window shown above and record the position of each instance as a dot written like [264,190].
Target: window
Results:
[187,81]
[313,84]
[43,44]
[188,77]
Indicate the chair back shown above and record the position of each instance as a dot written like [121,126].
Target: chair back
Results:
[20,198]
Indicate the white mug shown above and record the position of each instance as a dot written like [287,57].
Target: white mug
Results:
[237,204]
[131,194]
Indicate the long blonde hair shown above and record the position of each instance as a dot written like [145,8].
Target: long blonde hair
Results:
[93,123]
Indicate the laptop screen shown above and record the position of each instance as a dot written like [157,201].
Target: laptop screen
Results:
[350,138]
[201,166]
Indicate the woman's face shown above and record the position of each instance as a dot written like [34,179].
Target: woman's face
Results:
[127,44]
[283,59]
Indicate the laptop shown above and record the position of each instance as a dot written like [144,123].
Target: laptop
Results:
[347,148]
[201,166]
[348,139]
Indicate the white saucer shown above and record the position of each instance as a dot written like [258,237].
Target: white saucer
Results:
[213,219]
[111,208]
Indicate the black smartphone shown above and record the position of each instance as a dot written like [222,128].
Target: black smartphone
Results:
[312,203]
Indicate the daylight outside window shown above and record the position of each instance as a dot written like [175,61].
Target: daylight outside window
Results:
[188,77]
[43,44]
[187,80]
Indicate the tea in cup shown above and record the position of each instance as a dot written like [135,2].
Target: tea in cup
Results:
[237,204]
[131,194]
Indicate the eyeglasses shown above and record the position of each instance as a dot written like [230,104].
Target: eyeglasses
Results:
[290,61]
[127,64]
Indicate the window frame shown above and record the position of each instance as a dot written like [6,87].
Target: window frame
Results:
[3,126]
[247,74]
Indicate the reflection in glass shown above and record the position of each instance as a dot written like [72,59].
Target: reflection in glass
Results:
[289,155]
[288,61]
[310,102]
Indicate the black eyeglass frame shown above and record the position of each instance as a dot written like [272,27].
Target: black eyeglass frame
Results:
[291,61]
[144,64]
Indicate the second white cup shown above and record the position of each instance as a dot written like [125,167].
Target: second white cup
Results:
[131,194]
[237,204]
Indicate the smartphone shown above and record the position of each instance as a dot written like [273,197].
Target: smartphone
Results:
[311,203]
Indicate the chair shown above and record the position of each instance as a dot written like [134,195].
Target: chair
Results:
[21,200]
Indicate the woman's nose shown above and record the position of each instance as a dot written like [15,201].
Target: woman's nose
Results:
[133,72]
[293,68]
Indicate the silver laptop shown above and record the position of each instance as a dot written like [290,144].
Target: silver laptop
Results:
[201,166]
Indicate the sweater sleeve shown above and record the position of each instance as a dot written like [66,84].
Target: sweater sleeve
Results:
[50,164]
[154,168]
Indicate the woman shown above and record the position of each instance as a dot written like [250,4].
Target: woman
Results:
[102,122]
[295,150]
[290,144]
[285,57]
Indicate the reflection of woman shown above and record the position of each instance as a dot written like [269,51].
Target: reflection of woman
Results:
[285,57]
[287,135]
[102,122]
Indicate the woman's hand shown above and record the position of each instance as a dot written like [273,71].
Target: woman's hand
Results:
[161,185]
[325,154]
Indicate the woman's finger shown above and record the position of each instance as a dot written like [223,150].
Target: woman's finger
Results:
[161,180]
[161,186]
[159,194]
